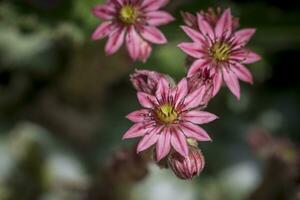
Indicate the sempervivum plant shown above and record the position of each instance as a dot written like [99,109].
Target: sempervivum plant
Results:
[218,47]
[169,118]
[134,21]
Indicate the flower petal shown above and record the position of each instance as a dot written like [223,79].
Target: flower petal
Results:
[204,27]
[224,25]
[198,64]
[163,145]
[117,2]
[137,130]
[245,56]
[150,5]
[189,19]
[148,140]
[193,34]
[153,35]
[105,12]
[102,30]
[251,57]
[181,91]
[115,41]
[179,143]
[146,100]
[198,117]
[242,72]
[194,131]
[217,80]
[145,51]
[192,49]
[232,82]
[138,115]
[157,18]
[244,35]
[133,43]
[162,89]
[194,99]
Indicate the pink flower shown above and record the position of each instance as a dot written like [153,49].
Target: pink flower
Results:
[187,167]
[169,118]
[221,50]
[135,22]
[211,16]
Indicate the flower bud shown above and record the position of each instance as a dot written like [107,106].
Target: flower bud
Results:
[212,15]
[202,79]
[145,80]
[189,19]
[187,167]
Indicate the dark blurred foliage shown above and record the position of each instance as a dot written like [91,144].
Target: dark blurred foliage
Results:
[63,102]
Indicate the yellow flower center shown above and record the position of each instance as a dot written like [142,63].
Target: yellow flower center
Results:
[220,51]
[166,114]
[128,14]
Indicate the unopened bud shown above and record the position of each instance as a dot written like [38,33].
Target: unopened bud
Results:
[145,80]
[202,78]
[187,167]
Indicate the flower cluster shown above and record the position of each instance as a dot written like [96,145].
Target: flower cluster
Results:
[134,21]
[169,121]
[219,48]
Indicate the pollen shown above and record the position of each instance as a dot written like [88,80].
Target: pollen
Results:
[166,114]
[128,14]
[220,51]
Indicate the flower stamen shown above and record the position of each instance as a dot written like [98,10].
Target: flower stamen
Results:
[166,114]
[128,14]
[220,51]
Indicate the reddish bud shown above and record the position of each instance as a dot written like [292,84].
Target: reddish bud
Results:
[145,80]
[187,167]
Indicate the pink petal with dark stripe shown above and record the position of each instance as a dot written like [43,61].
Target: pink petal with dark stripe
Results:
[251,57]
[162,90]
[204,27]
[115,41]
[133,43]
[105,12]
[102,30]
[242,72]
[163,145]
[224,25]
[137,130]
[179,143]
[245,56]
[192,49]
[145,51]
[153,35]
[244,35]
[146,100]
[231,82]
[150,5]
[158,18]
[217,80]
[138,116]
[199,117]
[181,91]
[194,131]
[148,140]
[193,34]
[194,99]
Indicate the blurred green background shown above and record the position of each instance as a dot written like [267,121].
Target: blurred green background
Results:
[63,102]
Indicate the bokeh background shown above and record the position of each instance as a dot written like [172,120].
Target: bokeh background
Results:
[63,102]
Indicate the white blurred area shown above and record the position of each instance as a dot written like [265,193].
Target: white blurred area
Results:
[234,183]
[163,185]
